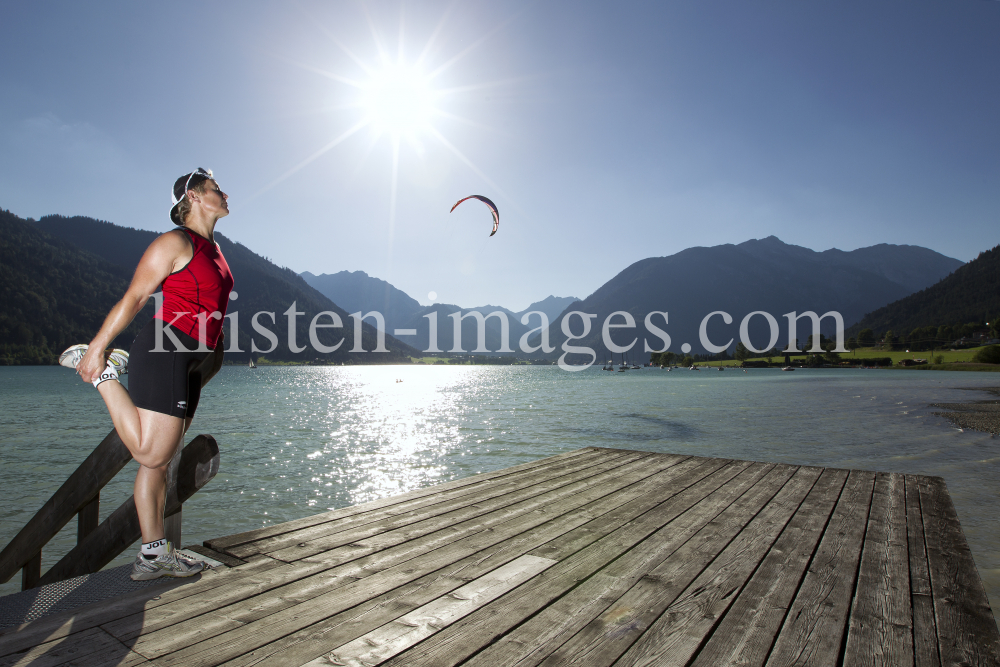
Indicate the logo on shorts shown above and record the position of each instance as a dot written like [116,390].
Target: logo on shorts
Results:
[182,404]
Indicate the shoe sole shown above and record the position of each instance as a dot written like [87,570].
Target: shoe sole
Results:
[67,355]
[147,576]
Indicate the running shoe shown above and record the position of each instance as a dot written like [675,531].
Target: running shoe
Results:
[72,356]
[170,564]
[116,358]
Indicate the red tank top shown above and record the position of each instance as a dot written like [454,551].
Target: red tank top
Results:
[195,298]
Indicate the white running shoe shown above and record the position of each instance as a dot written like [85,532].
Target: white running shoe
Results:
[72,356]
[116,358]
[170,564]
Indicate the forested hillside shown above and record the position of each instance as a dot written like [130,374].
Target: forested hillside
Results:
[969,295]
[54,294]
[68,272]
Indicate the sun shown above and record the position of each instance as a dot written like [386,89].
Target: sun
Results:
[398,99]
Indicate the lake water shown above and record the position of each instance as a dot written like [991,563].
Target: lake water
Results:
[300,440]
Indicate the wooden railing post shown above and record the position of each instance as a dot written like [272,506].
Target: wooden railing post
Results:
[88,518]
[172,528]
[31,572]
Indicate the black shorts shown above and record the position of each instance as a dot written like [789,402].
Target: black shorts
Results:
[159,381]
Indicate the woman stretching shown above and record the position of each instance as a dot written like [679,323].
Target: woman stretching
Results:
[152,416]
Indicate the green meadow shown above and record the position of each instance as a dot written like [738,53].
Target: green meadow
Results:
[950,359]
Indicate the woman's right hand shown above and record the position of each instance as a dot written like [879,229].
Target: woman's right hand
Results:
[92,364]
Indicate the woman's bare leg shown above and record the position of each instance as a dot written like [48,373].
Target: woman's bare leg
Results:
[153,439]
[151,491]
[124,414]
[150,496]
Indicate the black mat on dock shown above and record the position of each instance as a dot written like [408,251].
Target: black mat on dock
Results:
[69,594]
[594,557]
[36,603]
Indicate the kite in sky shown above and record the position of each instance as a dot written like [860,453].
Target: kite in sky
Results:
[493,210]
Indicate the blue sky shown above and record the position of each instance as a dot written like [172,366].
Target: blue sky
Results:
[604,133]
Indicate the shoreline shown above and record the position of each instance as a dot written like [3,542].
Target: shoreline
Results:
[981,415]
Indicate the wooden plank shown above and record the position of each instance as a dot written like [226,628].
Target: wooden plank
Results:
[745,634]
[89,648]
[663,498]
[451,511]
[393,638]
[626,504]
[196,643]
[586,583]
[813,630]
[117,658]
[675,605]
[967,631]
[880,629]
[22,637]
[229,541]
[310,579]
[62,650]
[317,640]
[925,642]
[225,559]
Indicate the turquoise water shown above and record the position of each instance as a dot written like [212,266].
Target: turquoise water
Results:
[297,441]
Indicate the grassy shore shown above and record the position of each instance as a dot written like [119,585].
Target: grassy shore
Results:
[951,360]
[988,368]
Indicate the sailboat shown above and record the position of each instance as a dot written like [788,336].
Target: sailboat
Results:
[251,364]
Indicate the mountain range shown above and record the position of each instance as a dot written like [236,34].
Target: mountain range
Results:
[62,275]
[356,290]
[757,275]
[969,295]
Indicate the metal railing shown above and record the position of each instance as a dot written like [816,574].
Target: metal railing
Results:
[99,544]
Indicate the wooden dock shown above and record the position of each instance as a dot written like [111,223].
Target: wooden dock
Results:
[594,557]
